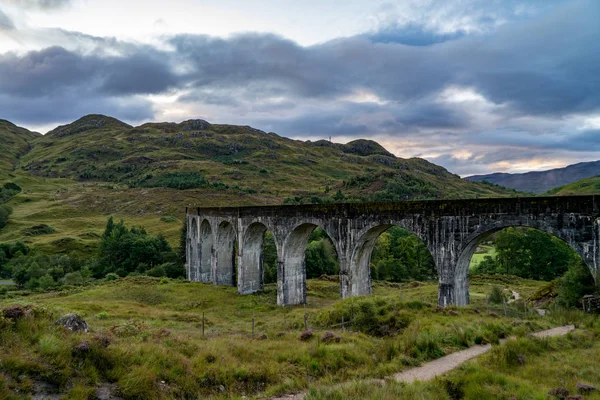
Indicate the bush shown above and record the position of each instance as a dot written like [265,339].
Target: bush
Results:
[37,230]
[496,295]
[111,276]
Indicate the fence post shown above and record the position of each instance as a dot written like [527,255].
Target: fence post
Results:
[202,323]
[252,326]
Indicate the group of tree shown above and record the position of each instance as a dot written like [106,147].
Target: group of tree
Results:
[121,251]
[401,256]
[398,256]
[533,254]
[528,253]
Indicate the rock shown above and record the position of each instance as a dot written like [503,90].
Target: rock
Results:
[452,312]
[559,392]
[73,322]
[574,397]
[14,312]
[330,337]
[82,347]
[585,389]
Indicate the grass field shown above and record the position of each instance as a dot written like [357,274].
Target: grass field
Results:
[158,350]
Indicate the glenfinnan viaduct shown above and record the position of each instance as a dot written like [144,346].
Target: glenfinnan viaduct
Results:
[450,229]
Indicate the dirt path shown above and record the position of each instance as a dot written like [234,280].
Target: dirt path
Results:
[445,364]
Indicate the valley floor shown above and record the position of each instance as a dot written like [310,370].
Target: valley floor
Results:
[160,338]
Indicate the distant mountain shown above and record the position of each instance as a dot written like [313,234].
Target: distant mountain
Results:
[14,142]
[542,181]
[237,160]
[584,186]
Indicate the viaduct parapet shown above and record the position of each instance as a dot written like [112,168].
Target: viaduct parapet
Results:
[224,245]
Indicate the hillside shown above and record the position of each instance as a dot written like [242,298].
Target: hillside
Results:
[237,159]
[14,142]
[584,186]
[541,181]
[78,174]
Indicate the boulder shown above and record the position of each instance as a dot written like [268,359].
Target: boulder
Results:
[73,322]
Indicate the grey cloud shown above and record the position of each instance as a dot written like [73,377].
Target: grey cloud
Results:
[39,4]
[411,35]
[542,67]
[52,70]
[6,22]
[70,106]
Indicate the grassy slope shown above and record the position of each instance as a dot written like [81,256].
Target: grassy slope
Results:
[260,168]
[584,186]
[14,142]
[227,362]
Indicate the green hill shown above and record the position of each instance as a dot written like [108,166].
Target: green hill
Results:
[14,142]
[238,159]
[78,174]
[584,186]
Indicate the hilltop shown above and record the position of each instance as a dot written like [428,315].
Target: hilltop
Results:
[542,181]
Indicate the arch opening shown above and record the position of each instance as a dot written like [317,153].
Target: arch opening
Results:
[226,259]
[308,252]
[257,252]
[529,253]
[193,251]
[392,253]
[206,252]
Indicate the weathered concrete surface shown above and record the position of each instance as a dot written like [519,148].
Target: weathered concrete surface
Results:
[450,229]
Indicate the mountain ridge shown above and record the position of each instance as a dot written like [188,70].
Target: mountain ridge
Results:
[542,181]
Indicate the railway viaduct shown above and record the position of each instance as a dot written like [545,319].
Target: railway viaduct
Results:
[224,245]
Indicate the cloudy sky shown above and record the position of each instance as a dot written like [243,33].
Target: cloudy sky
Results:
[475,86]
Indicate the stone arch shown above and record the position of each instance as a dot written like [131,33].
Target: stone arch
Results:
[193,251]
[461,274]
[206,252]
[359,269]
[251,272]
[291,274]
[225,271]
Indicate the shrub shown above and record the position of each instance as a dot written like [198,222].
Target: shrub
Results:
[111,276]
[102,315]
[496,295]
[306,335]
[168,218]
[38,230]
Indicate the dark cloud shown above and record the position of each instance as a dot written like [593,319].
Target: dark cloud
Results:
[71,105]
[542,67]
[5,22]
[40,4]
[411,35]
[51,71]
[57,85]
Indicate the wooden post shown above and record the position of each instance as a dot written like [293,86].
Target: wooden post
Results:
[504,302]
[284,323]
[203,324]
[342,322]
[421,293]
[252,326]
[305,318]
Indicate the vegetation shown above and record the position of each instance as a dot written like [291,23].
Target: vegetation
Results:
[146,337]
[401,256]
[532,254]
[584,186]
